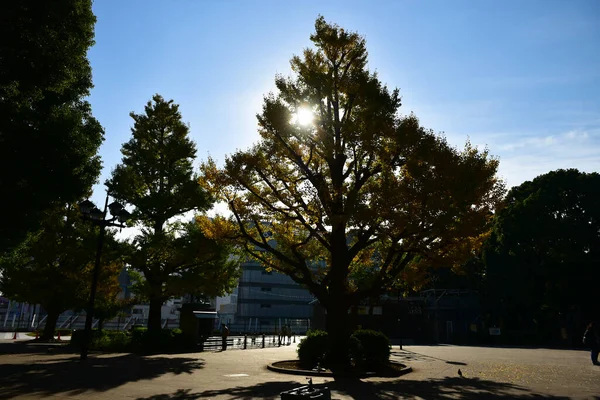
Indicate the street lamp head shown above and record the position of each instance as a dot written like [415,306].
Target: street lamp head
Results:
[86,207]
[123,216]
[115,208]
[96,214]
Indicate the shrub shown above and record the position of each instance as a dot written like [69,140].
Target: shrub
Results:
[369,348]
[166,340]
[183,341]
[136,340]
[137,333]
[355,350]
[63,332]
[313,348]
[104,340]
[112,341]
[78,336]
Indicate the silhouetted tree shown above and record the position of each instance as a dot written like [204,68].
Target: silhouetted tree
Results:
[53,266]
[48,136]
[543,257]
[348,202]
[156,177]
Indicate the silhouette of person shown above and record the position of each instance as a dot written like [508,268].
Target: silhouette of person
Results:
[224,335]
[591,338]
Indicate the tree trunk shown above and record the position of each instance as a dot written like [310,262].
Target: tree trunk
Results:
[50,326]
[154,314]
[100,324]
[338,329]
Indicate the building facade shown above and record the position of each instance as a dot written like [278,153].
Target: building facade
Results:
[264,301]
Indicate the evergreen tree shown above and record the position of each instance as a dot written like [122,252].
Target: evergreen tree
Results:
[156,177]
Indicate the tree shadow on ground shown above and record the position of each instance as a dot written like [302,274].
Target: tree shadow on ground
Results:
[405,356]
[446,388]
[266,390]
[443,388]
[66,374]
[26,347]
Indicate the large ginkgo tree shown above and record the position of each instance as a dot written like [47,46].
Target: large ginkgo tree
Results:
[345,194]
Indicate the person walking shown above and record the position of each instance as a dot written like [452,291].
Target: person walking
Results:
[591,338]
[224,335]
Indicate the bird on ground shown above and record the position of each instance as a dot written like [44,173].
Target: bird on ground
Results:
[460,373]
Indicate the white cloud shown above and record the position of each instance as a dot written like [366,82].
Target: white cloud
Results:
[577,135]
[525,159]
[536,142]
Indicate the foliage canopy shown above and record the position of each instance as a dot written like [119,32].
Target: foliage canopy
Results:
[544,252]
[48,136]
[156,177]
[349,203]
[53,266]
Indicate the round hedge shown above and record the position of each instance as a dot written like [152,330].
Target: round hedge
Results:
[367,348]
[313,348]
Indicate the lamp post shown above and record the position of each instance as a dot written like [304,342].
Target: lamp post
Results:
[118,218]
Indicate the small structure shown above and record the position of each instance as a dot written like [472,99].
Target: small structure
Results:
[197,320]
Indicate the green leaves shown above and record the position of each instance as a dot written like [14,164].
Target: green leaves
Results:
[545,242]
[156,177]
[156,173]
[53,266]
[361,196]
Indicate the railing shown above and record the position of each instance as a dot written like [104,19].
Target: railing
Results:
[132,318]
[65,322]
[214,343]
[42,321]
[298,326]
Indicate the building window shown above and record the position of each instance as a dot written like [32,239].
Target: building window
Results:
[265,306]
[265,289]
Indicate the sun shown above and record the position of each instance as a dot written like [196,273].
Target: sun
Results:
[304,116]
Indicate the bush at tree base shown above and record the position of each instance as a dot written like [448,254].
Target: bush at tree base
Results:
[62,331]
[164,340]
[367,348]
[313,348]
[103,340]
[138,340]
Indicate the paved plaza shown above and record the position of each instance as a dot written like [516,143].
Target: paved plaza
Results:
[35,372]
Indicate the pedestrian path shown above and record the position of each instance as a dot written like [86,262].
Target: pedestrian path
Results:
[25,336]
[487,373]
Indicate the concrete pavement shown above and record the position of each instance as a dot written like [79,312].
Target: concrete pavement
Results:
[488,373]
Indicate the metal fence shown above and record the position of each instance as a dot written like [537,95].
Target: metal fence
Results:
[254,327]
[77,321]
[214,343]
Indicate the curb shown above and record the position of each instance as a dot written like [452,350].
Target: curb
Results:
[273,367]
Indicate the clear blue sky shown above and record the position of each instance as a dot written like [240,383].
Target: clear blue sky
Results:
[522,77]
